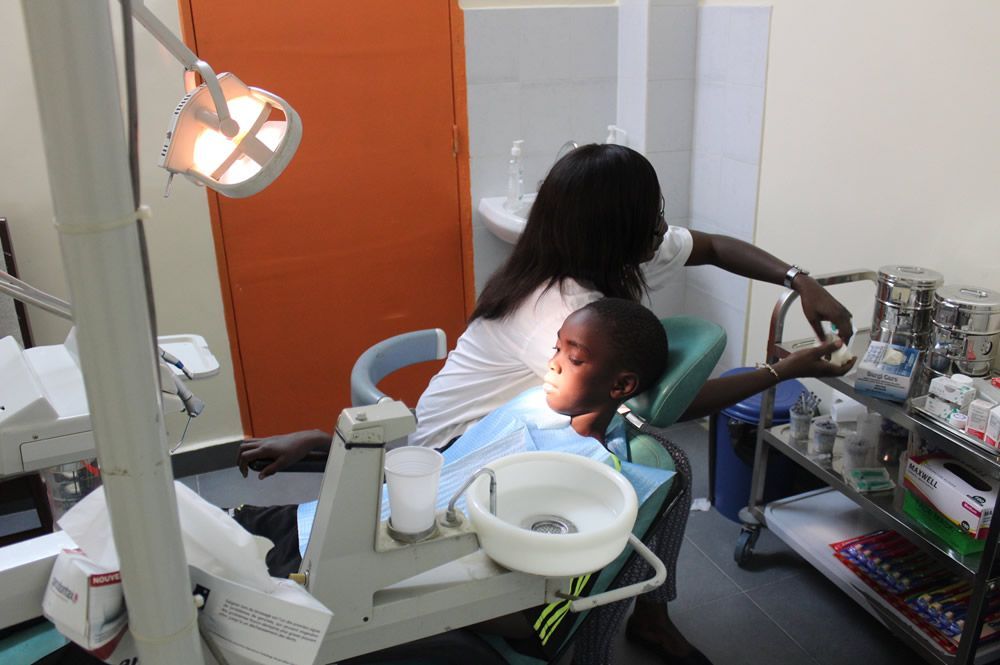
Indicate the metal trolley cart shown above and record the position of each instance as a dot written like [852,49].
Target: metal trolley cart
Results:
[809,523]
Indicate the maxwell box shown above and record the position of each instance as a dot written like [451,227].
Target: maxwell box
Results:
[957,492]
[886,371]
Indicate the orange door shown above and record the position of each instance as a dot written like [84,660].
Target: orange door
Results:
[366,234]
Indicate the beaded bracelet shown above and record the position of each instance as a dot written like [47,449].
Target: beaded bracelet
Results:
[769,369]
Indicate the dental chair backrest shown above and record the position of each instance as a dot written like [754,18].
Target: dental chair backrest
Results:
[695,347]
[389,355]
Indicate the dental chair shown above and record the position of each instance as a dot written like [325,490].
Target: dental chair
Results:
[695,348]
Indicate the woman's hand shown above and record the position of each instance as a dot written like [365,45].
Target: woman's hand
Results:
[281,450]
[818,306]
[813,362]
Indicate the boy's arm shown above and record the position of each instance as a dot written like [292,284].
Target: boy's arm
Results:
[725,391]
[742,258]
[281,450]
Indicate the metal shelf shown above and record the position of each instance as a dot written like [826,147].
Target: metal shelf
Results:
[959,446]
[885,506]
[885,509]
[809,522]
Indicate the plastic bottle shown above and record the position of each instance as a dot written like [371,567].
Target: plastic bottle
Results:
[515,178]
[616,135]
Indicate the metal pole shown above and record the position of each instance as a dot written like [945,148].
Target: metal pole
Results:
[75,73]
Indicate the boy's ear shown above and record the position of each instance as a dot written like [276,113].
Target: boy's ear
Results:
[625,386]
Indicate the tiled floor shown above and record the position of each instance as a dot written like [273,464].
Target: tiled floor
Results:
[779,610]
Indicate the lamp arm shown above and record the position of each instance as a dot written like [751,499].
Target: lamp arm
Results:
[26,293]
[189,59]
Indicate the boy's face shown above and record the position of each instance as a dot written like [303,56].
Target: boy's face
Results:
[583,375]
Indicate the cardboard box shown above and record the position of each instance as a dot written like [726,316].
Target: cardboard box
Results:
[939,408]
[992,436]
[954,490]
[955,537]
[979,417]
[280,628]
[948,390]
[86,603]
[886,371]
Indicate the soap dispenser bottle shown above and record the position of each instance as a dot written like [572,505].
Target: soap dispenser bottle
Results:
[515,178]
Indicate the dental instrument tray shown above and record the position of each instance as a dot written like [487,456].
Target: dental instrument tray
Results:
[193,352]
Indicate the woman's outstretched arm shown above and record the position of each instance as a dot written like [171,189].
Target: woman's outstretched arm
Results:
[742,258]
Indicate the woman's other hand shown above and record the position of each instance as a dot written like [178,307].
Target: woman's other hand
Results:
[280,451]
[813,362]
[818,306]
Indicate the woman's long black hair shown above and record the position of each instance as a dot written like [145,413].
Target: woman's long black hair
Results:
[594,220]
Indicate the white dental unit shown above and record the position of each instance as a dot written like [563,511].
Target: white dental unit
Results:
[44,417]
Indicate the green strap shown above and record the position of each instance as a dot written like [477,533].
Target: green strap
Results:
[553,614]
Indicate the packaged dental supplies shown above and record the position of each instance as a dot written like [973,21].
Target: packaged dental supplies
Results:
[979,417]
[953,489]
[992,435]
[923,594]
[953,391]
[957,538]
[886,371]
[869,480]
[85,603]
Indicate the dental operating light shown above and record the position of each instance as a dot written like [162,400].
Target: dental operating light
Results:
[223,134]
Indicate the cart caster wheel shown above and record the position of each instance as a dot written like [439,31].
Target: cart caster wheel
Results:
[744,545]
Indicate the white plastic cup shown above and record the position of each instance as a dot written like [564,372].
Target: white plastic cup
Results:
[411,475]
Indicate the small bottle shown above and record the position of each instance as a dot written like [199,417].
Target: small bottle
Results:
[515,178]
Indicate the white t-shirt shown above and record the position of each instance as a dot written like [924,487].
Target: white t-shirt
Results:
[497,359]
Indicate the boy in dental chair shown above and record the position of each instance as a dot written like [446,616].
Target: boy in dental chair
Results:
[605,353]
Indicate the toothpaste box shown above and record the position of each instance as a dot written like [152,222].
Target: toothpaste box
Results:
[979,418]
[954,490]
[992,436]
[886,371]
[86,603]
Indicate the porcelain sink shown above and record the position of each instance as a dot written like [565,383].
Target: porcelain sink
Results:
[505,224]
[558,514]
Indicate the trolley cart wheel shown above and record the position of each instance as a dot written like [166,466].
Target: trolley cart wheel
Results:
[745,544]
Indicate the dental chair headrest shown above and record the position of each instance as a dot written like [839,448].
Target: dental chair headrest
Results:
[695,347]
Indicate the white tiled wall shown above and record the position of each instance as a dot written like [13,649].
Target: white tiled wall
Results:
[545,75]
[731,66]
[687,83]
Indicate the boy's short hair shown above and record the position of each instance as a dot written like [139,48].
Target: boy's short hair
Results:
[636,335]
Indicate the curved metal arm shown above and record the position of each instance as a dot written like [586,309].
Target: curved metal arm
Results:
[786,299]
[659,577]
[451,516]
[187,57]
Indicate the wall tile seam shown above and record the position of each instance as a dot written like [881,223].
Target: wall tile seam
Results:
[720,153]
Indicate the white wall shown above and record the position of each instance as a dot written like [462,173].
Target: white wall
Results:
[729,110]
[544,75]
[881,142]
[185,275]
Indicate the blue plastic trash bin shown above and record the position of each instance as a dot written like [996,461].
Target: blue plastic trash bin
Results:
[732,442]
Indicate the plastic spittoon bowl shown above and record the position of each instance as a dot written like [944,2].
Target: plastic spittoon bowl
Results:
[558,514]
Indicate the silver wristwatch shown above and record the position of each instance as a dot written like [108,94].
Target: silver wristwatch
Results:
[792,273]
